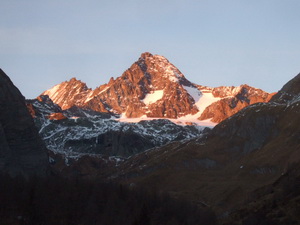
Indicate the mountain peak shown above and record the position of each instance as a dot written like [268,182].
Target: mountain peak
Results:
[67,93]
[146,55]
[151,87]
[74,80]
[159,67]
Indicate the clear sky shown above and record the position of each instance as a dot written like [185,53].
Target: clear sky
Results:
[213,43]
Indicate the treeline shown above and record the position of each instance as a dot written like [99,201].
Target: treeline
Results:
[80,202]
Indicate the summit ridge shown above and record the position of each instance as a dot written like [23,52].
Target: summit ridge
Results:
[154,88]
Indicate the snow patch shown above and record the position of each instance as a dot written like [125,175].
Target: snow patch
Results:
[89,97]
[194,92]
[183,121]
[153,97]
[103,90]
[171,74]
[206,100]
[202,98]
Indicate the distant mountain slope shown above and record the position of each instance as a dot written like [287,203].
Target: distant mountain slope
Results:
[153,87]
[22,152]
[232,100]
[78,131]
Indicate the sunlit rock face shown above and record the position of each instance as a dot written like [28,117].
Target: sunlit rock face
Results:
[154,87]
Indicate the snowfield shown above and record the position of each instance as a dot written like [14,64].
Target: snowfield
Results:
[202,98]
[153,97]
[183,121]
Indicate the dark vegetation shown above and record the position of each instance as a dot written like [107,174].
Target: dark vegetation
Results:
[64,201]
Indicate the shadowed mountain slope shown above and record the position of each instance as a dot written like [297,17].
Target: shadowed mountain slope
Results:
[22,152]
[249,150]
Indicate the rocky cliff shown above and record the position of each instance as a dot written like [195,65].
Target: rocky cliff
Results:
[22,152]
[76,131]
[233,99]
[154,87]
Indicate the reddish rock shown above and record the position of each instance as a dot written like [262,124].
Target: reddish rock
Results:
[31,109]
[57,116]
[234,99]
[154,75]
[125,94]
[69,93]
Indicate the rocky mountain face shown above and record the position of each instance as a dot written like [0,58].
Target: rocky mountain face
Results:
[74,119]
[75,132]
[153,87]
[22,152]
[232,100]
[248,153]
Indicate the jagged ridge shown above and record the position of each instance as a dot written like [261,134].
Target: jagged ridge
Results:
[153,87]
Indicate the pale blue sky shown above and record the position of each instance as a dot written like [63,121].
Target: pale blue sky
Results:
[213,43]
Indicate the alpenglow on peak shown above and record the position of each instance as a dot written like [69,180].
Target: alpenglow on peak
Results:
[154,88]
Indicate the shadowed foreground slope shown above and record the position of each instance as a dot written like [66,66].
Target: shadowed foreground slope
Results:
[21,149]
[250,150]
[64,201]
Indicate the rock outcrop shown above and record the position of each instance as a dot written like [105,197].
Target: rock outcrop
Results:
[42,106]
[74,92]
[22,152]
[233,100]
